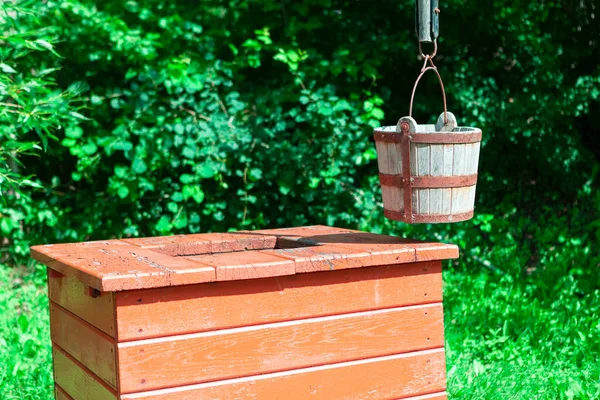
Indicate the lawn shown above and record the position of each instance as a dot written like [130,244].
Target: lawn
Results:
[507,337]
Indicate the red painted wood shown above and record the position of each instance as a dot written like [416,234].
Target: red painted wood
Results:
[115,265]
[313,312]
[211,356]
[391,377]
[206,243]
[153,313]
[246,265]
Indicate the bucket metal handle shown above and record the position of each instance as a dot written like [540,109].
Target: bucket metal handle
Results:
[432,67]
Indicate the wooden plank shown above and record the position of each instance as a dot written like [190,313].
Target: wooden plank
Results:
[423,202]
[382,158]
[389,377]
[436,196]
[423,168]
[70,294]
[384,250]
[475,157]
[88,345]
[322,258]
[204,243]
[468,159]
[432,396]
[114,265]
[392,198]
[327,257]
[394,153]
[246,265]
[60,394]
[253,350]
[447,171]
[76,380]
[150,313]
[303,232]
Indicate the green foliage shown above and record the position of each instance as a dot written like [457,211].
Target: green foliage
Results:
[32,107]
[26,368]
[202,116]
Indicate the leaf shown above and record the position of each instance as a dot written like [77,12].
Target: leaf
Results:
[188,152]
[23,322]
[163,225]
[89,148]
[74,132]
[46,45]
[6,225]
[7,69]
[206,171]
[78,116]
[139,166]
[123,192]
[172,206]
[186,178]
[120,171]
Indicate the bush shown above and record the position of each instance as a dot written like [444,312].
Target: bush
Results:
[32,108]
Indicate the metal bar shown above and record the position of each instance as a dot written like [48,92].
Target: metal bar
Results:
[473,136]
[428,181]
[427,20]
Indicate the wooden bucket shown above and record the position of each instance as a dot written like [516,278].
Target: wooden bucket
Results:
[428,173]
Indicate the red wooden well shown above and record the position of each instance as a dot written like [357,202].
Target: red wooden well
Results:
[311,312]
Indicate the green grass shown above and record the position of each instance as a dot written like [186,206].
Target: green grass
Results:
[25,370]
[507,337]
[510,339]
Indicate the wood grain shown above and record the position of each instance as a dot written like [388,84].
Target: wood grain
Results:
[70,294]
[205,243]
[60,394]
[88,345]
[114,265]
[246,265]
[211,356]
[76,380]
[390,377]
[151,313]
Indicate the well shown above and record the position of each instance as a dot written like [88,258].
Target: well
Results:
[311,312]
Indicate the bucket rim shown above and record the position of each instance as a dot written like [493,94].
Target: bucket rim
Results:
[391,129]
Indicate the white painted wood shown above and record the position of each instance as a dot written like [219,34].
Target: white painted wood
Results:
[423,201]
[394,153]
[436,196]
[475,155]
[382,158]
[415,201]
[392,198]
[468,158]
[458,161]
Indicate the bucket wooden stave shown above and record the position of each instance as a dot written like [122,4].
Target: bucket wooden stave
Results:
[430,168]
